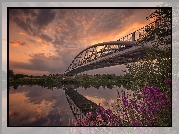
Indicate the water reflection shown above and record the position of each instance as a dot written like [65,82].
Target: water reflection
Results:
[40,106]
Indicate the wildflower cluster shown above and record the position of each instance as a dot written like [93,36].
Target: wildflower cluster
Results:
[100,117]
[154,108]
[150,107]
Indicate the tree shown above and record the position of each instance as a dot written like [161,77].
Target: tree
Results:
[154,68]
[11,74]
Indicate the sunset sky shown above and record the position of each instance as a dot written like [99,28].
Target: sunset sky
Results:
[45,41]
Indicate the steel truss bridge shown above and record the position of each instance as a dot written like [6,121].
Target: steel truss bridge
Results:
[125,50]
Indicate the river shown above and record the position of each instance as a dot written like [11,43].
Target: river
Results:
[40,106]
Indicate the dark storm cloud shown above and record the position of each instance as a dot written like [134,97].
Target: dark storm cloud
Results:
[71,27]
[29,66]
[46,37]
[40,62]
[13,13]
[61,14]
[20,12]
[24,24]
[30,12]
[44,63]
[32,21]
[44,17]
[59,40]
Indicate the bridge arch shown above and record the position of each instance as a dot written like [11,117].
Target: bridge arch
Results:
[125,50]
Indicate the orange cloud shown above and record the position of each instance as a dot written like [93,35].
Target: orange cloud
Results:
[101,100]
[22,33]
[27,54]
[17,43]
[113,35]
[127,30]
[40,40]
[25,109]
[39,111]
[14,43]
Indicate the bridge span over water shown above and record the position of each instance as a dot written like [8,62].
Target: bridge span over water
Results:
[125,50]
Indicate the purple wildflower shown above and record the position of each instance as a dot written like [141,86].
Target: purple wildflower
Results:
[89,114]
[75,122]
[168,81]
[136,123]
[92,123]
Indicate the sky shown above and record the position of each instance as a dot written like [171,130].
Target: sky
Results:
[45,41]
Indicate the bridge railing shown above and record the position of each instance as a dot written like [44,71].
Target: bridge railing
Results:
[139,34]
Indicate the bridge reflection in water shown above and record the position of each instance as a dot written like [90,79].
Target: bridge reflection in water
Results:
[80,105]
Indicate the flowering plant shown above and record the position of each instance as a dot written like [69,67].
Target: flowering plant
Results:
[150,107]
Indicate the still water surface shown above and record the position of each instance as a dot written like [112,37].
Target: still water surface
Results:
[39,106]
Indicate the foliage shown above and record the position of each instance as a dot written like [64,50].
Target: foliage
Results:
[155,67]
[97,80]
[59,80]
